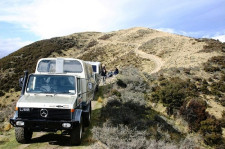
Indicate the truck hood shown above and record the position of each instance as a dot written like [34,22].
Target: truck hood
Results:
[47,101]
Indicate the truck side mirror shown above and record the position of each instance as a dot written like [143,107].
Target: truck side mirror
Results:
[79,94]
[21,82]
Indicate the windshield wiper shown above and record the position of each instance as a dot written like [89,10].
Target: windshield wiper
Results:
[48,92]
[65,93]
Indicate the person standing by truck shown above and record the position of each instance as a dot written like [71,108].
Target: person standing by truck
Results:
[104,72]
[116,71]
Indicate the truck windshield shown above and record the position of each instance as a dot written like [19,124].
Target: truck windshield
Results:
[55,84]
[69,66]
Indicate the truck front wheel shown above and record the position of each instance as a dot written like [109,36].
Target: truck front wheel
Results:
[23,135]
[76,134]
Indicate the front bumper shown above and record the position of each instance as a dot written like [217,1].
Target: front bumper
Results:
[43,125]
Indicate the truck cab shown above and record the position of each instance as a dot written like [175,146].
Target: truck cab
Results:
[56,97]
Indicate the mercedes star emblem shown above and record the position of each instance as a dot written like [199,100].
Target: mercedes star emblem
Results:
[44,112]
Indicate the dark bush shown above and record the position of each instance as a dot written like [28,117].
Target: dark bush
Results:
[27,57]
[222,101]
[209,68]
[216,63]
[161,78]
[212,45]
[2,93]
[220,86]
[223,77]
[121,83]
[222,120]
[212,139]
[194,111]
[92,43]
[210,125]
[173,93]
[130,114]
[204,87]
[105,37]
[212,132]
[210,80]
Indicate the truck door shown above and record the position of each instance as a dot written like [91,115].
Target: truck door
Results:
[79,91]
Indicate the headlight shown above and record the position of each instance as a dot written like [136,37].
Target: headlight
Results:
[20,123]
[66,125]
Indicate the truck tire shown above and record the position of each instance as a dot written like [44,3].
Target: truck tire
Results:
[76,134]
[96,89]
[87,117]
[23,135]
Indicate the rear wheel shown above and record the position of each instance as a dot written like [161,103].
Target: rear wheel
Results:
[23,135]
[96,89]
[76,134]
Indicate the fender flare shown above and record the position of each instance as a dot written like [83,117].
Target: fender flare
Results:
[15,115]
[77,115]
[12,120]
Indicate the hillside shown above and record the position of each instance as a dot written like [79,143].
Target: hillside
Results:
[180,80]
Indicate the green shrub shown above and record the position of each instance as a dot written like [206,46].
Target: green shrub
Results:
[204,87]
[173,93]
[210,125]
[212,132]
[116,92]
[212,139]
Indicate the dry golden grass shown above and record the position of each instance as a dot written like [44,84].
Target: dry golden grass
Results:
[100,100]
[7,126]
[174,50]
[9,98]
[215,108]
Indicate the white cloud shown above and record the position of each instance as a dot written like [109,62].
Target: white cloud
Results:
[8,46]
[220,38]
[180,32]
[169,30]
[50,18]
[61,17]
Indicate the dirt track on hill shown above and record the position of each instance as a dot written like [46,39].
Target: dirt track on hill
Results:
[158,62]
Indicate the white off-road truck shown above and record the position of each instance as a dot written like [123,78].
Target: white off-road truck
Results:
[56,97]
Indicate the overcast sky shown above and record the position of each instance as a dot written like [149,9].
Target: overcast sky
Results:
[25,21]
